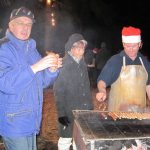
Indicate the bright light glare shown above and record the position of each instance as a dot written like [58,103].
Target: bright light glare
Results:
[49,2]
[52,14]
[53,22]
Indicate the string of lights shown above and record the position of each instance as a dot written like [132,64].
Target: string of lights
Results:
[51,4]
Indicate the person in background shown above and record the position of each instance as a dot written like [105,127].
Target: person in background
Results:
[101,57]
[90,61]
[23,76]
[128,74]
[72,89]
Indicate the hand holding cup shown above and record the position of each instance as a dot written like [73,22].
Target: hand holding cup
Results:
[57,61]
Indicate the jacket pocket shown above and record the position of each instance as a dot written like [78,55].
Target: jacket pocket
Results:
[22,113]
[19,122]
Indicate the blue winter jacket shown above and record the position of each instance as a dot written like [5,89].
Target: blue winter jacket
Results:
[21,91]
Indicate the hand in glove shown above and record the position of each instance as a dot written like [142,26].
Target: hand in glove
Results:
[64,120]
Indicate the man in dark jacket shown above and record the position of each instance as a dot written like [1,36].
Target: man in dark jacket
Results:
[72,88]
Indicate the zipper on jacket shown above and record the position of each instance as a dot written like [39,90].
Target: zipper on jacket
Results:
[12,115]
[37,121]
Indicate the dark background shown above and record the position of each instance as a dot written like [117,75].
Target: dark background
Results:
[97,20]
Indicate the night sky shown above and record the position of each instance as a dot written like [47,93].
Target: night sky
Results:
[97,20]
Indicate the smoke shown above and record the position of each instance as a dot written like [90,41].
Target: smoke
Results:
[53,38]
[60,33]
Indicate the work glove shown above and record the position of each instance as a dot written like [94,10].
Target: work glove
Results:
[64,120]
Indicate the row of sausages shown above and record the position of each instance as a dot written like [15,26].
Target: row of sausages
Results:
[129,115]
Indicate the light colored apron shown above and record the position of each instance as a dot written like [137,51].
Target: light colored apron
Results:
[129,89]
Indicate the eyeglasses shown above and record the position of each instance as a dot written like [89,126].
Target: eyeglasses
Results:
[80,48]
[24,24]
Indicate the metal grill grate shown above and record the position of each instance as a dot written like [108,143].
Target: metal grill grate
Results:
[99,130]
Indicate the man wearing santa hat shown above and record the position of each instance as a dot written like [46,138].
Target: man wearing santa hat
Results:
[128,74]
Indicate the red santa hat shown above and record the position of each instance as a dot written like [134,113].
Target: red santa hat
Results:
[131,35]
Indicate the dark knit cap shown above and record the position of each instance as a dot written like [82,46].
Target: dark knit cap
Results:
[73,39]
[22,12]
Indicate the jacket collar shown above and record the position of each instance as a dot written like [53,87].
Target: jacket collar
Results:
[21,44]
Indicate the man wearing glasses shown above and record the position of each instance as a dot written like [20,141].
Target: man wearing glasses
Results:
[23,76]
[128,74]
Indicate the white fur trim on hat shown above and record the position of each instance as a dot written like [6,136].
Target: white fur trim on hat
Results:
[85,42]
[131,39]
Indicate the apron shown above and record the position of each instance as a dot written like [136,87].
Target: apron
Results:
[129,89]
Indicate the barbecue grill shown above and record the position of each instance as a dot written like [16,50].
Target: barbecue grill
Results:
[97,130]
